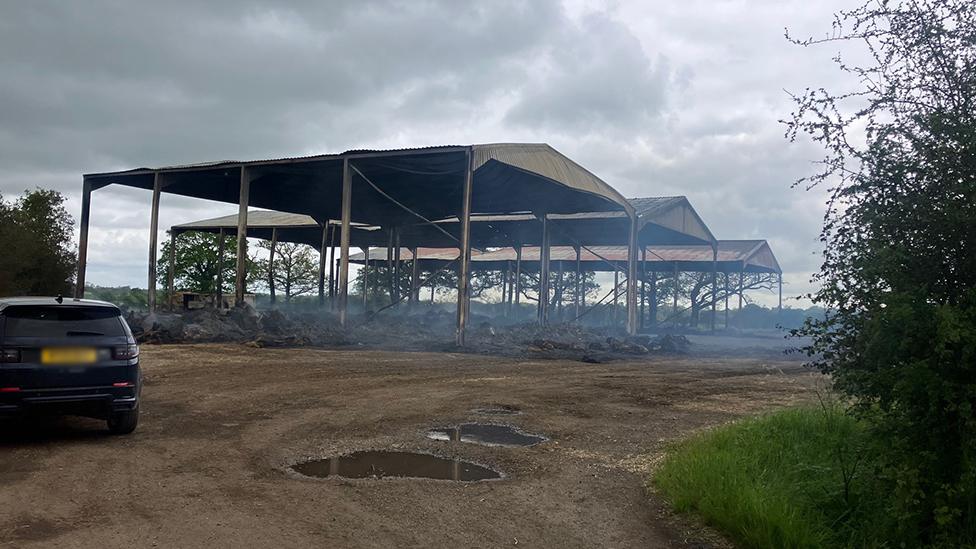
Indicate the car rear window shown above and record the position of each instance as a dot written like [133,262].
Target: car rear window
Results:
[61,321]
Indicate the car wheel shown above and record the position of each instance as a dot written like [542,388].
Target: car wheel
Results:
[123,423]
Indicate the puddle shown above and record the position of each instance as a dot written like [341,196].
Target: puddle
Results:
[383,464]
[486,434]
[500,410]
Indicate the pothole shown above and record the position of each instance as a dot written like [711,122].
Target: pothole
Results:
[497,410]
[383,464]
[486,434]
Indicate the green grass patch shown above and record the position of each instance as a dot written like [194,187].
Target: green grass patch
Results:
[791,479]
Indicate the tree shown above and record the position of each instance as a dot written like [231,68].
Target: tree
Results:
[898,278]
[196,264]
[38,255]
[296,268]
[695,288]
[123,296]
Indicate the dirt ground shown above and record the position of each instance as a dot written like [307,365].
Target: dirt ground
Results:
[209,464]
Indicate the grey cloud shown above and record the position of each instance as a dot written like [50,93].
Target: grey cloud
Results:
[595,77]
[656,98]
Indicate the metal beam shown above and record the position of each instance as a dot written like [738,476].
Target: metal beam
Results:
[153,234]
[241,282]
[344,243]
[86,190]
[464,284]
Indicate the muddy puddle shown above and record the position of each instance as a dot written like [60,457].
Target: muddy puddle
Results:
[486,434]
[383,464]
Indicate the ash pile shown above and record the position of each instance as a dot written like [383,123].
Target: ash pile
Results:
[432,330]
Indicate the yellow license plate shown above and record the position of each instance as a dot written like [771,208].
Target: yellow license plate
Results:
[68,355]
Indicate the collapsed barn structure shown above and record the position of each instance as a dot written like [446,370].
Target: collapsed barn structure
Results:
[465,202]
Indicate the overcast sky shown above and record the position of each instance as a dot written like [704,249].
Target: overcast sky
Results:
[655,97]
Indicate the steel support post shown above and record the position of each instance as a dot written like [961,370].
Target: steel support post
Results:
[153,234]
[332,264]
[632,278]
[560,289]
[674,312]
[366,280]
[323,258]
[726,300]
[464,271]
[240,285]
[518,280]
[271,264]
[389,266]
[86,191]
[643,288]
[779,308]
[544,273]
[653,299]
[616,295]
[742,289]
[171,270]
[414,277]
[714,285]
[396,265]
[579,283]
[344,243]
[506,288]
[221,238]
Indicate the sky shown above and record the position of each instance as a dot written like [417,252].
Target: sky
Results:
[655,97]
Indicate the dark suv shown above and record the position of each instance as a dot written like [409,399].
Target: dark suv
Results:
[69,356]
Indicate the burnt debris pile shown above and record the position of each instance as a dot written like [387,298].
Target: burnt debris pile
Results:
[427,331]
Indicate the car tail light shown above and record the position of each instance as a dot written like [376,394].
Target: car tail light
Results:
[9,355]
[125,352]
[9,389]
[123,384]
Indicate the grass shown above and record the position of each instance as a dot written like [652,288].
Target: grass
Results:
[792,479]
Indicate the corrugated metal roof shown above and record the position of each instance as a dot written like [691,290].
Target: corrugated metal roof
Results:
[542,159]
[255,218]
[537,158]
